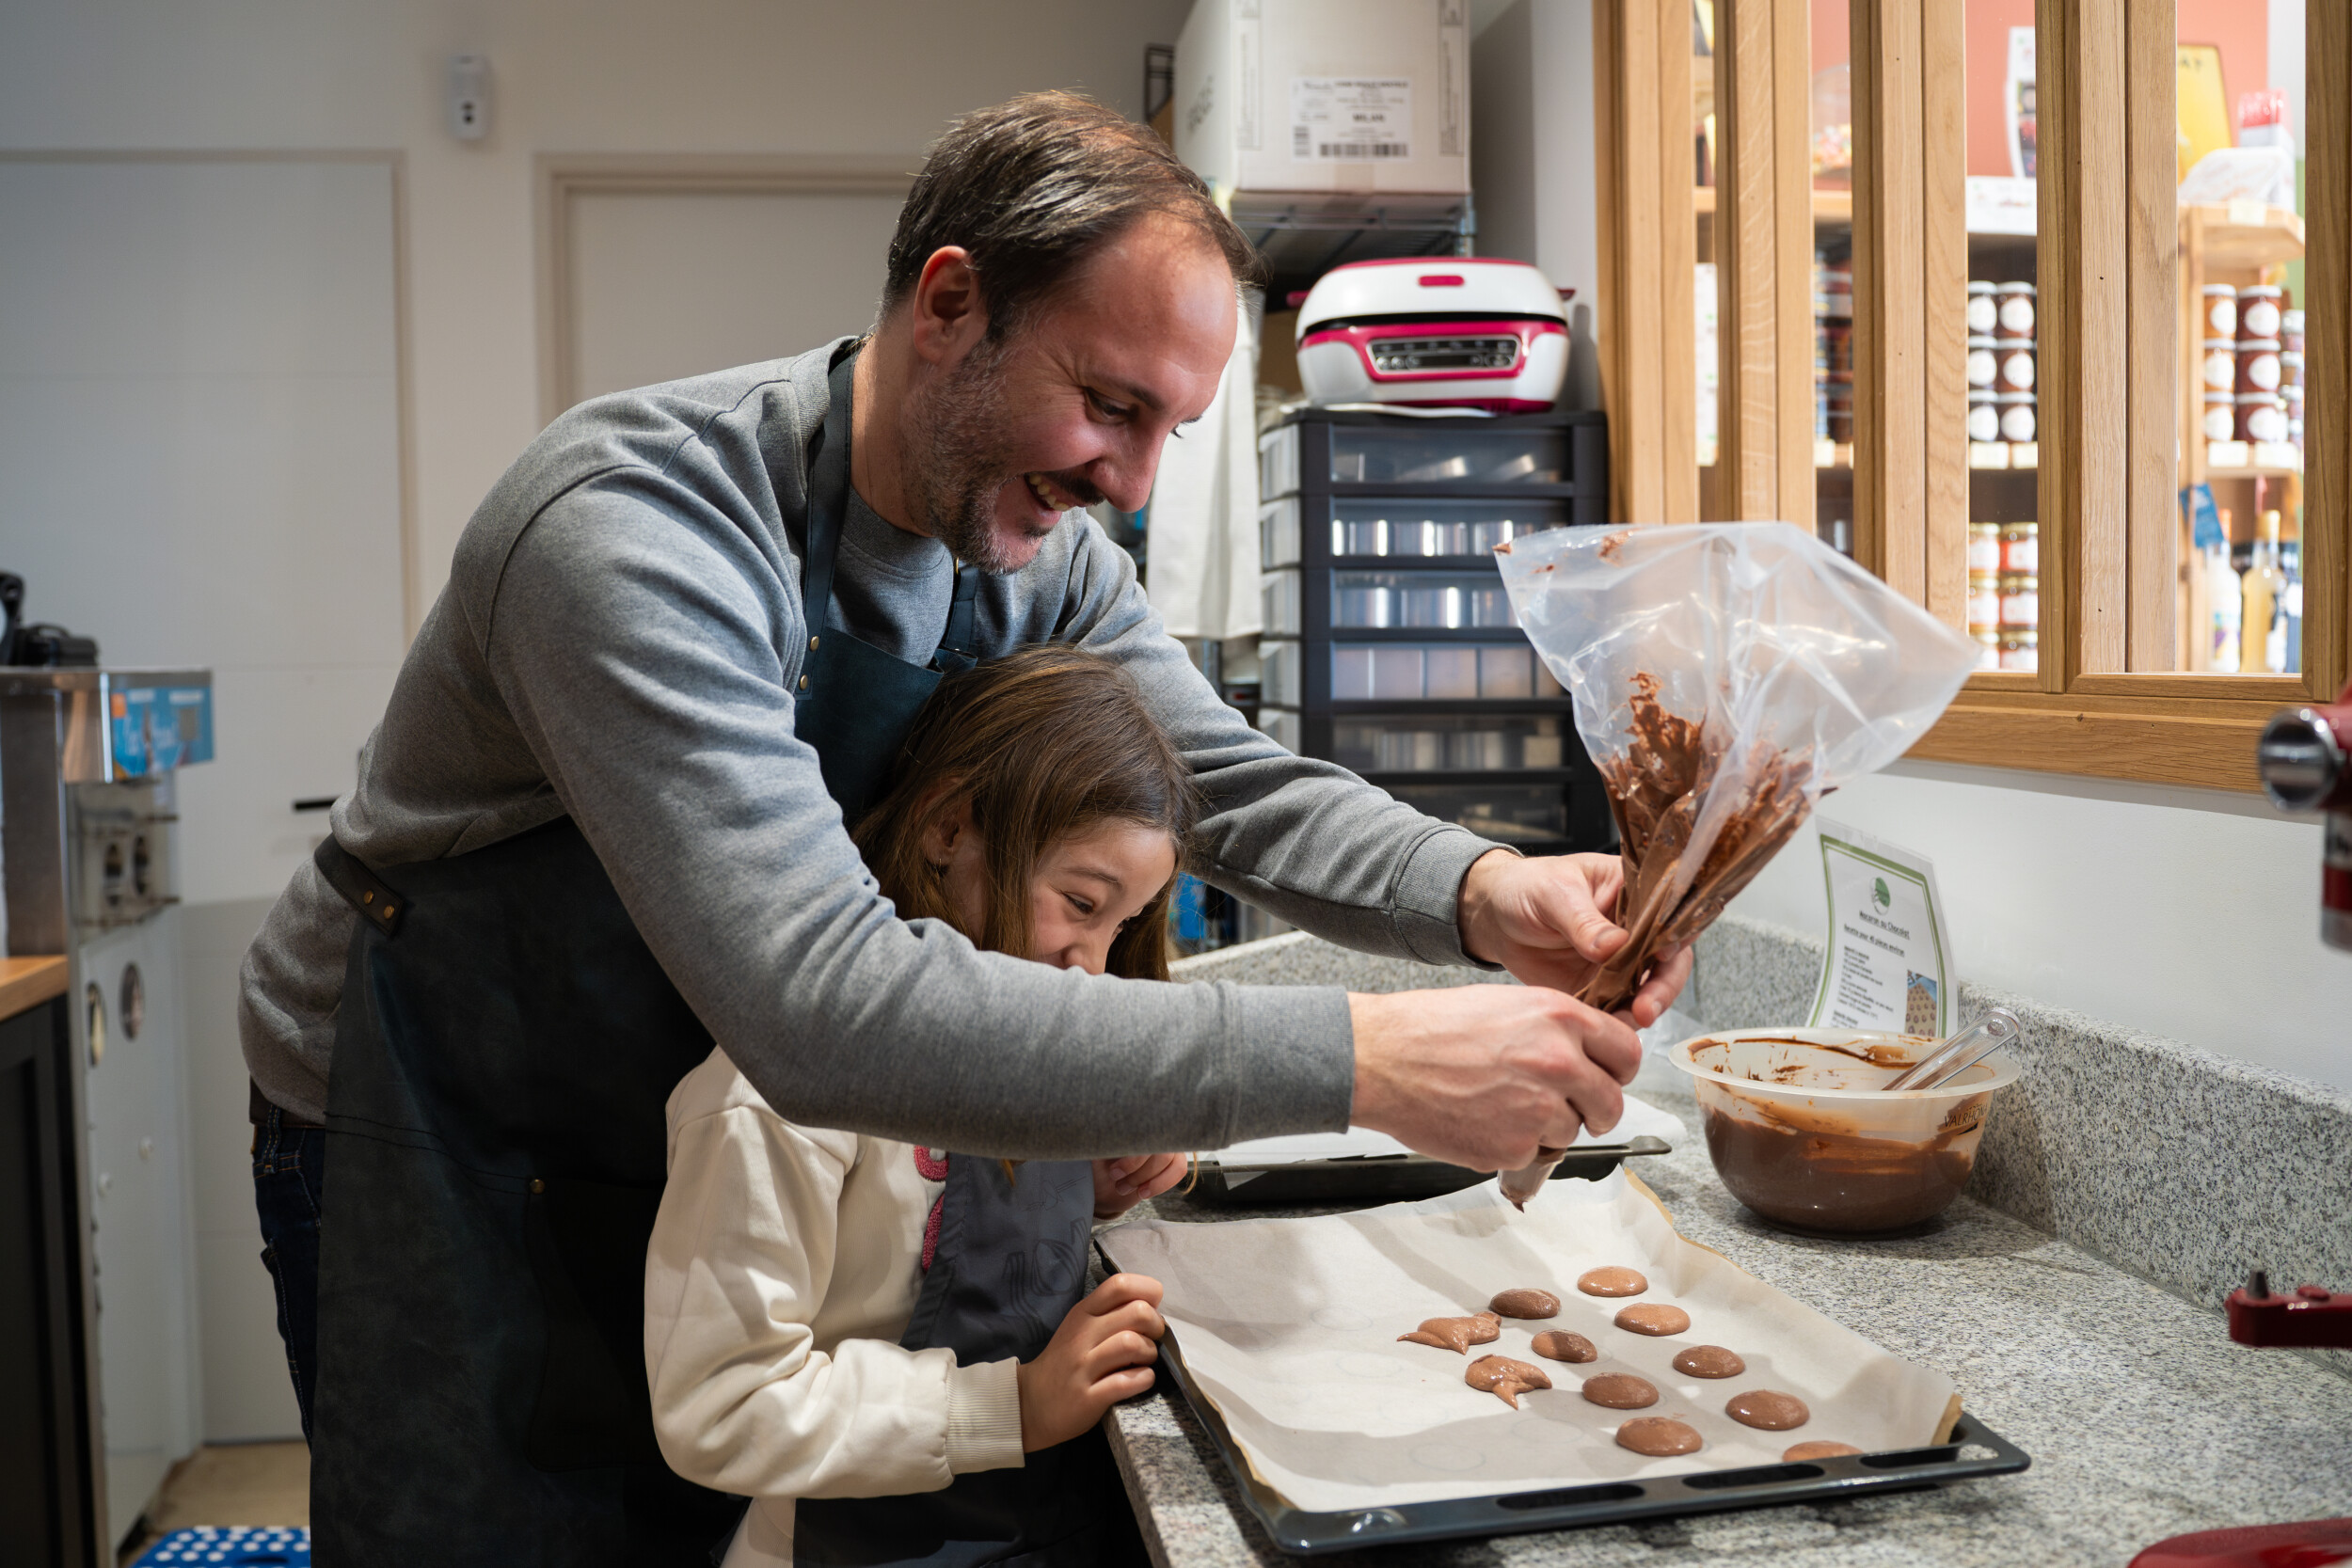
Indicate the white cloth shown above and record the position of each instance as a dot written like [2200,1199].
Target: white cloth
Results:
[785,1263]
[1202,532]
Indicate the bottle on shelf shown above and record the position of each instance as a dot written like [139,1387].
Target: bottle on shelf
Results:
[2288,624]
[2226,597]
[2263,648]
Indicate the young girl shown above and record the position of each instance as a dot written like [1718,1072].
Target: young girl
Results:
[862,1335]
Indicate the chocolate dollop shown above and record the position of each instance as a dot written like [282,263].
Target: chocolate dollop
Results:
[1504,1378]
[1710,1361]
[1612,1282]
[1525,1302]
[1456,1334]
[1558,1344]
[1765,1409]
[1620,1392]
[1657,1436]
[1652,1318]
[1817,1450]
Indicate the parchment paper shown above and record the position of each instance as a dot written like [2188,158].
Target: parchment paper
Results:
[1289,1326]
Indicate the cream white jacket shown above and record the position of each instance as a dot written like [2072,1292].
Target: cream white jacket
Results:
[784,1266]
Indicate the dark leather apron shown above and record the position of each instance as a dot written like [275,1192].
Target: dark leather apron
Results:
[503,1051]
[1011,1263]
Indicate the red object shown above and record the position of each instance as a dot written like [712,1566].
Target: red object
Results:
[1440,279]
[2314,1543]
[2263,106]
[2310,1317]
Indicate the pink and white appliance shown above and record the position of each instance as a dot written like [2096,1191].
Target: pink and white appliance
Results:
[1436,332]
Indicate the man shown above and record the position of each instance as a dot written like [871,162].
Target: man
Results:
[602,824]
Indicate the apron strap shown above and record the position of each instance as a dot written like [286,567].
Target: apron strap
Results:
[362,889]
[828,497]
[956,649]
[828,507]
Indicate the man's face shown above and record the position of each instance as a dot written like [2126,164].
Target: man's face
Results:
[1073,409]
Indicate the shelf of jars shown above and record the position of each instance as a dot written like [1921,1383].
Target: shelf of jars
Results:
[2241,440]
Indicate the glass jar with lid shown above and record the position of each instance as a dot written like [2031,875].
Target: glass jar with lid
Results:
[1984,547]
[2016,318]
[2021,549]
[2020,649]
[2021,600]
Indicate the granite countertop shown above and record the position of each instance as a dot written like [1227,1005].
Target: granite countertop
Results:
[2143,1419]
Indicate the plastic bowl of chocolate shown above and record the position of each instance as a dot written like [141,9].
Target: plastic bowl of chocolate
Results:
[1802,1131]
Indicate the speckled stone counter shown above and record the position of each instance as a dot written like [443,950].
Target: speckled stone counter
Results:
[2142,1418]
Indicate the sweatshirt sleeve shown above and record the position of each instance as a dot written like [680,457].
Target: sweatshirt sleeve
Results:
[1300,838]
[743,1248]
[654,686]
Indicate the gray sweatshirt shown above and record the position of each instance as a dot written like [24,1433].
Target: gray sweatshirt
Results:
[619,639]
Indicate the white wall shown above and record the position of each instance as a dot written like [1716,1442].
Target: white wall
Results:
[713,259]
[2188,913]
[1531,154]
[688,75]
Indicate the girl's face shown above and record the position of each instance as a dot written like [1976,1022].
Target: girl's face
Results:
[1087,885]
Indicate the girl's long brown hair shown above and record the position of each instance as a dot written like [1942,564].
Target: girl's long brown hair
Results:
[1045,742]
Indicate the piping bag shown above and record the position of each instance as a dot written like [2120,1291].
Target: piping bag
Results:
[1725,677]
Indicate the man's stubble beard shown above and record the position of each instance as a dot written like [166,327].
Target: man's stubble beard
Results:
[959,462]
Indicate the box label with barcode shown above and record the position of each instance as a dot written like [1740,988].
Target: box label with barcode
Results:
[1351,118]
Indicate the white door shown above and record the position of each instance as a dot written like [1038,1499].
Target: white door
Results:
[665,285]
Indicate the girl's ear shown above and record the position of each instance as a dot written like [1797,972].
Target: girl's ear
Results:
[943,830]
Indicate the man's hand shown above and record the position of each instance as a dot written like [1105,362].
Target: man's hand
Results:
[1483,1075]
[1102,1353]
[1546,921]
[1120,1184]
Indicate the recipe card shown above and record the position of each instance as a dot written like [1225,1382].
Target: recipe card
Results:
[1887,966]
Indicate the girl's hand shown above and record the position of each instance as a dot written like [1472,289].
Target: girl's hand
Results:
[1120,1184]
[1102,1353]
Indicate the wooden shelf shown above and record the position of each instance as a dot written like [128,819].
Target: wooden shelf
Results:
[2234,238]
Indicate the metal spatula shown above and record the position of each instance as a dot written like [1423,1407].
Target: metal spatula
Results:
[1997,1028]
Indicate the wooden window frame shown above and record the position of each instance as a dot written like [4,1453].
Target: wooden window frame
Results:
[2105,703]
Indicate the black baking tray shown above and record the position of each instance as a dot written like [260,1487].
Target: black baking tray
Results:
[1605,1502]
[1388,1178]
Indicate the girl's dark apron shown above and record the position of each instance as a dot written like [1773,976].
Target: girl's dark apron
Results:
[503,1051]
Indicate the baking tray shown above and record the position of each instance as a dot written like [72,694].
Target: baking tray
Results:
[1605,1502]
[1387,1178]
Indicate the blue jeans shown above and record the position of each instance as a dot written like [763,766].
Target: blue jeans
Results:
[289,1166]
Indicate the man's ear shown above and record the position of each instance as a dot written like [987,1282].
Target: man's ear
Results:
[946,314]
[943,830]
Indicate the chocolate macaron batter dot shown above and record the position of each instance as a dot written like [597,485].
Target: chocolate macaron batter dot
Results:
[1708,1361]
[1657,1436]
[1620,1392]
[1558,1344]
[1817,1450]
[1767,1410]
[1652,1318]
[1525,1302]
[1612,1282]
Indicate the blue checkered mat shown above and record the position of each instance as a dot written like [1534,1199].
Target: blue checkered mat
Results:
[227,1546]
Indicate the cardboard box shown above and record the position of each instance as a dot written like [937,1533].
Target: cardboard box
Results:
[1368,96]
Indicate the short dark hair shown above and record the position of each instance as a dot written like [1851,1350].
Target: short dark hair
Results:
[1031,187]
